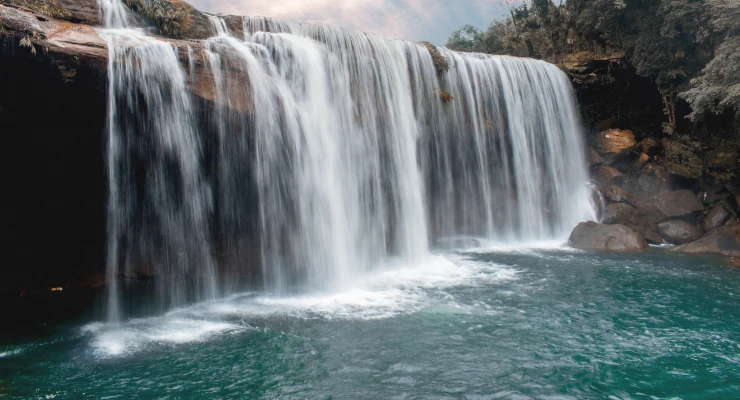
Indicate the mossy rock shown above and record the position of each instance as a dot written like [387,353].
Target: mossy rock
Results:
[681,161]
[441,64]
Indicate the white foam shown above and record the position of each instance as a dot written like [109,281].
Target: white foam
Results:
[10,353]
[531,247]
[134,335]
[388,292]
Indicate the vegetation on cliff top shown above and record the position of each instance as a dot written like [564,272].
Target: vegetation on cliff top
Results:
[170,20]
[689,48]
[51,8]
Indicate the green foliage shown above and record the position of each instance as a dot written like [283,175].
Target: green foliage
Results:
[467,38]
[689,48]
[170,20]
[717,89]
[51,8]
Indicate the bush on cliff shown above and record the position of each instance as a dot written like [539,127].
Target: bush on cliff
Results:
[170,20]
[51,8]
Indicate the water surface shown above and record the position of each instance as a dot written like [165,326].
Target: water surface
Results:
[496,323]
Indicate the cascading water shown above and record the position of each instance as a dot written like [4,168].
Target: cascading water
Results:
[158,202]
[325,153]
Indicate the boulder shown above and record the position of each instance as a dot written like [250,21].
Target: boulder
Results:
[723,241]
[734,225]
[675,204]
[641,160]
[616,194]
[679,232]
[716,217]
[593,236]
[624,214]
[654,180]
[732,262]
[710,197]
[606,176]
[614,141]
[595,159]
[651,146]
[681,160]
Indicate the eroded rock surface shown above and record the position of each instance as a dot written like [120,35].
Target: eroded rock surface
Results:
[594,236]
[679,232]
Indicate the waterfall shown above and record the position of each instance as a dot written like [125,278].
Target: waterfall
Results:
[324,153]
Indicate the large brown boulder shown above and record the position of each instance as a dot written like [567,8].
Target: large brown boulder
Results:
[624,214]
[716,217]
[679,232]
[675,204]
[723,241]
[681,160]
[614,141]
[593,236]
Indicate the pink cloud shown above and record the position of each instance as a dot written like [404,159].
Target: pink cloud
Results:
[430,20]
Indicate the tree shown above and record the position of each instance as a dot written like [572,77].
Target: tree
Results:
[717,88]
[467,38]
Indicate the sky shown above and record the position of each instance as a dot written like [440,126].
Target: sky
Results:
[414,20]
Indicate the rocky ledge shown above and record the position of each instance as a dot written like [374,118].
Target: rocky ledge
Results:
[667,190]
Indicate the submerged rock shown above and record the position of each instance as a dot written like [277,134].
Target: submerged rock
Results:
[723,241]
[679,232]
[675,204]
[594,236]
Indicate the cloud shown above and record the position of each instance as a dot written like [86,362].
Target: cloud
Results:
[415,20]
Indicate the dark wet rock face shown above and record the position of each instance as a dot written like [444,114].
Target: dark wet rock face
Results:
[616,194]
[671,205]
[716,217]
[679,232]
[624,214]
[595,236]
[607,176]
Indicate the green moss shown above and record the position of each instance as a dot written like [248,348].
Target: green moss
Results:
[681,161]
[51,8]
[170,20]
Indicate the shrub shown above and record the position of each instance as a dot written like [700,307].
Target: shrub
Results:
[170,20]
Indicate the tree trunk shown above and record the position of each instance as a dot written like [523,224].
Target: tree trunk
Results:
[669,102]
[530,48]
